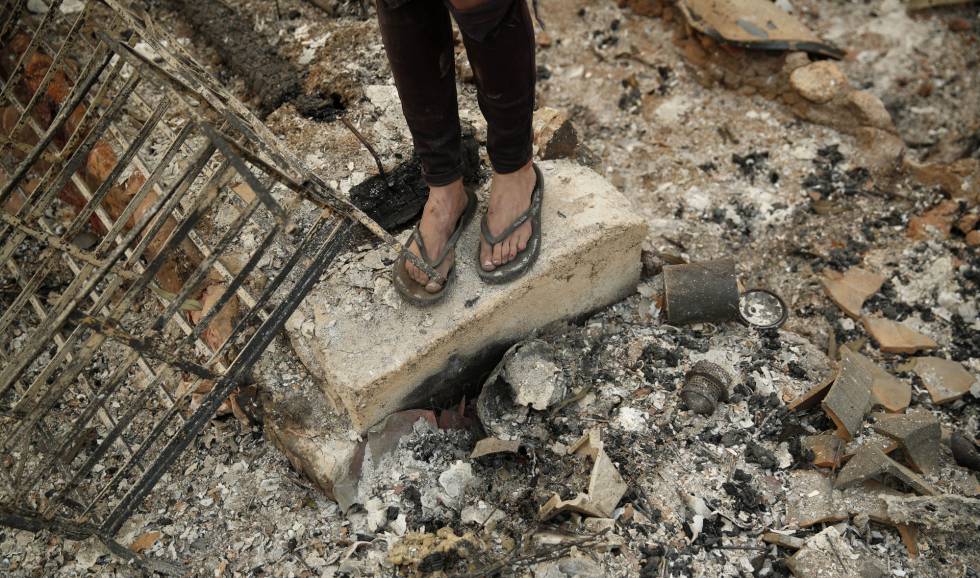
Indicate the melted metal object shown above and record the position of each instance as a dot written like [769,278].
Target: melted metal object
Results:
[762,308]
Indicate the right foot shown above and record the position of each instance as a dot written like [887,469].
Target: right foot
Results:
[439,219]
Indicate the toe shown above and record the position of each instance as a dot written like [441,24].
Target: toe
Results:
[486,256]
[522,239]
[433,287]
[512,248]
[498,254]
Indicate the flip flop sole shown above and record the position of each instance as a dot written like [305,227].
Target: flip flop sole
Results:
[526,258]
[409,289]
[414,293]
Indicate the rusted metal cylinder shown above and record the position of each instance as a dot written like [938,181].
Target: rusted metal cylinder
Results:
[705,385]
[699,292]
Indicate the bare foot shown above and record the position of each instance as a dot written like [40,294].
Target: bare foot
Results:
[510,195]
[439,218]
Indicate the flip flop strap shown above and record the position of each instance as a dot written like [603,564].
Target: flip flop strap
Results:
[520,220]
[450,242]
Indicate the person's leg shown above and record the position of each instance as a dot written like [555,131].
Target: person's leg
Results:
[418,40]
[499,40]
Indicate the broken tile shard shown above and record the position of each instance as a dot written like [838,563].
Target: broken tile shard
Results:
[946,380]
[810,499]
[849,399]
[872,463]
[851,289]
[829,555]
[753,24]
[488,446]
[827,449]
[890,392]
[894,337]
[918,433]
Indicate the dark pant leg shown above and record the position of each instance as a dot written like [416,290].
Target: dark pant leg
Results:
[418,39]
[499,39]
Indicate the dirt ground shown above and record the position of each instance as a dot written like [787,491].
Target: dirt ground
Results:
[716,172]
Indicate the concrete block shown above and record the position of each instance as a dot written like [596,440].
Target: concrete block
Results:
[375,354]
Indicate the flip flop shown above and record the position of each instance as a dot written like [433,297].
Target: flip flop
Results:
[409,288]
[526,258]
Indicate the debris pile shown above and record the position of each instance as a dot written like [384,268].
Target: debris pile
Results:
[819,419]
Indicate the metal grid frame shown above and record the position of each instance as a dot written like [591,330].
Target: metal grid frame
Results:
[95,399]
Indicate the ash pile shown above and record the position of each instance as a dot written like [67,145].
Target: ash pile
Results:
[630,444]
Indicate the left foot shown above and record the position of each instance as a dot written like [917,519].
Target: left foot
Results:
[510,195]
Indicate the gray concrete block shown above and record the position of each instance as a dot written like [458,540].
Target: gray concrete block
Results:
[375,354]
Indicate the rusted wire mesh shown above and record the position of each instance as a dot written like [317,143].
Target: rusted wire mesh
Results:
[148,258]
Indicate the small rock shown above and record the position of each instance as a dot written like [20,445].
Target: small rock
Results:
[965,451]
[967,223]
[879,150]
[870,110]
[630,419]
[554,135]
[973,239]
[819,82]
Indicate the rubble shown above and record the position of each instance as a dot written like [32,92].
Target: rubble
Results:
[947,523]
[810,500]
[666,143]
[871,463]
[917,433]
[946,380]
[894,337]
[605,489]
[753,24]
[488,446]
[849,398]
[554,135]
[851,289]
[829,555]
[827,448]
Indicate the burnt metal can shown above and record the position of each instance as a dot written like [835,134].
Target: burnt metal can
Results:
[699,292]
[705,385]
